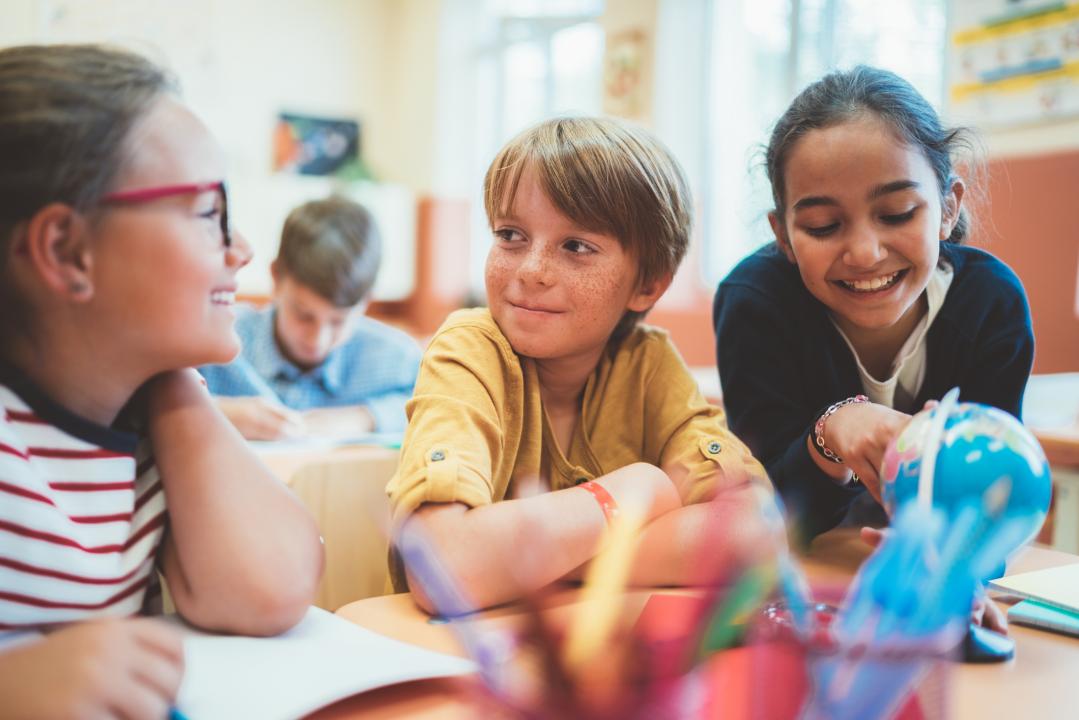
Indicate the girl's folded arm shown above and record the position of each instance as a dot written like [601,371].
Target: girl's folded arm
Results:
[242,554]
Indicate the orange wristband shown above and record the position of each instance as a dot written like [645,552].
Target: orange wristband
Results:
[606,502]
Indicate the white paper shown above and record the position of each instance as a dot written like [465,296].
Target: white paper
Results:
[1055,586]
[320,661]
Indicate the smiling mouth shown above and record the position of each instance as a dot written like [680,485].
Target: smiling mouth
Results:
[872,285]
[223,297]
[526,308]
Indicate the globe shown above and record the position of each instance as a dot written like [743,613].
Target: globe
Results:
[986,456]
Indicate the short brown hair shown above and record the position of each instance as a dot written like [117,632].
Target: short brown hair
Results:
[331,246]
[608,176]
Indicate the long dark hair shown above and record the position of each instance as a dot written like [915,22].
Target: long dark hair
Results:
[843,95]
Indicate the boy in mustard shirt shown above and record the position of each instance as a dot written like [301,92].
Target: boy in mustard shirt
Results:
[557,381]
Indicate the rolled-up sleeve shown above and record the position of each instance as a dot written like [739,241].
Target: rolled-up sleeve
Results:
[698,450]
[455,424]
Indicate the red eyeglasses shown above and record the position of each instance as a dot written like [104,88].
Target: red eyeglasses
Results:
[141,195]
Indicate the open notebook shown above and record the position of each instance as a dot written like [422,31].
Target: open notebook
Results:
[1057,586]
[320,661]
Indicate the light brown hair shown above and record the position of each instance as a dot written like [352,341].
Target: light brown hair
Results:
[332,247]
[66,112]
[607,176]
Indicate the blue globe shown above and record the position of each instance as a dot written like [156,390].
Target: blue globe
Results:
[986,457]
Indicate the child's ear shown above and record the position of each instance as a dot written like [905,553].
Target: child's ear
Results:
[56,243]
[277,274]
[949,212]
[780,231]
[648,293]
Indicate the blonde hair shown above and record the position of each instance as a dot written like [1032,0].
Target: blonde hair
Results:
[607,176]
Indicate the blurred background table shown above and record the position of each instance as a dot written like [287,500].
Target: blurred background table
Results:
[1051,411]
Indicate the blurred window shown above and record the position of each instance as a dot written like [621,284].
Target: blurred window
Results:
[541,58]
[763,53]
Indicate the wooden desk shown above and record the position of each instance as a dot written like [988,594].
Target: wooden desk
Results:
[1061,445]
[1042,682]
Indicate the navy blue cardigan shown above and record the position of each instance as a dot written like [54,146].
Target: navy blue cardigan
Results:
[781,360]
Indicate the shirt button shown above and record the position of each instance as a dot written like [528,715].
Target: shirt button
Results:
[437,455]
[714,447]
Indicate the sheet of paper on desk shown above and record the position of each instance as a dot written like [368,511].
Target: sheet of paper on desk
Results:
[320,661]
[390,440]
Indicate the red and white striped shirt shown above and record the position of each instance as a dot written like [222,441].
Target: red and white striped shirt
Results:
[82,514]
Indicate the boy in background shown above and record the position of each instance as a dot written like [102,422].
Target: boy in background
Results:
[312,363]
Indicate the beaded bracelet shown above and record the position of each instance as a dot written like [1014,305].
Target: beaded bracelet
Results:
[818,429]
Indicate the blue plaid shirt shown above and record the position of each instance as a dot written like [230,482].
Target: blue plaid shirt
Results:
[376,367]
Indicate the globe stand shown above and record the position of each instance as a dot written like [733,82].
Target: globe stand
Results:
[991,466]
[982,645]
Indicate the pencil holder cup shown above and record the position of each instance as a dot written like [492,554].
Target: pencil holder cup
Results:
[631,682]
[783,674]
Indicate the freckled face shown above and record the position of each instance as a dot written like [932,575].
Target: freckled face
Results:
[556,290]
[864,221]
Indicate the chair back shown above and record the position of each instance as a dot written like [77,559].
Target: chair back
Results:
[346,492]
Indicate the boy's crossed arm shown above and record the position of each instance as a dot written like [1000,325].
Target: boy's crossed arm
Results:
[502,551]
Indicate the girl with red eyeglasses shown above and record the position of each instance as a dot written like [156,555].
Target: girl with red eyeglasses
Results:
[117,275]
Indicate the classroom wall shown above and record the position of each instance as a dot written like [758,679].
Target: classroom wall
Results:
[241,62]
[1031,225]
[1043,158]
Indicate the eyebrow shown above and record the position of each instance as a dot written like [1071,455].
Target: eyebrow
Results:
[878,191]
[579,232]
[892,187]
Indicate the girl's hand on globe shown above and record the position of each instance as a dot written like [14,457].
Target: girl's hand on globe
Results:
[872,536]
[988,614]
[859,433]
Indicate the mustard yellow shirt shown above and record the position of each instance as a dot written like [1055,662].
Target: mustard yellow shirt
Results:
[477,424]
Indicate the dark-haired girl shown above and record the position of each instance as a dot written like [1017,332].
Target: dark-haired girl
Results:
[868,304]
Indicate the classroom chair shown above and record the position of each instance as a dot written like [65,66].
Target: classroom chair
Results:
[347,496]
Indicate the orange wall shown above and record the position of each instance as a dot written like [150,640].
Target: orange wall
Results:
[1032,225]
[441,268]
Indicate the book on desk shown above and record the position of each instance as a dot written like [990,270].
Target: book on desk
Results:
[1039,615]
[1050,598]
[1056,587]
